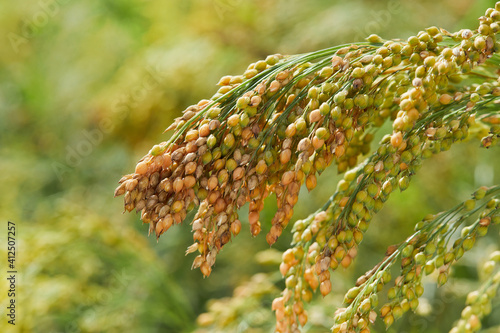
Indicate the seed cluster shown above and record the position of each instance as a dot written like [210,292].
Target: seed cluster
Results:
[272,139]
[281,123]
[369,188]
[423,253]
[430,114]
[479,301]
[245,302]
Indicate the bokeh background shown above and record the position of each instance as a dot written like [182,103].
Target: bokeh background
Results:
[87,87]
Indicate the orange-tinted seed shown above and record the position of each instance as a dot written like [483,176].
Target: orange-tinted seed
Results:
[255,229]
[292,199]
[339,151]
[253,217]
[141,168]
[192,135]
[178,184]
[343,201]
[346,261]
[167,161]
[177,206]
[189,181]
[224,81]
[336,61]
[317,143]
[220,205]
[303,318]
[445,99]
[204,130]
[233,120]
[212,182]
[284,268]
[236,227]
[325,287]
[205,269]
[255,100]
[191,147]
[287,177]
[413,114]
[167,222]
[159,227]
[396,139]
[291,130]
[278,303]
[190,168]
[238,173]
[311,182]
[157,162]
[213,196]
[285,156]
[315,116]
[261,167]
[274,86]
[131,184]
[282,75]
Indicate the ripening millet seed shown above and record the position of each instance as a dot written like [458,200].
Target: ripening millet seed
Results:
[315,116]
[445,99]
[274,86]
[325,287]
[480,193]
[278,126]
[396,139]
[469,204]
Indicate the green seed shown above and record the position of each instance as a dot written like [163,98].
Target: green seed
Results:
[211,141]
[322,133]
[340,97]
[420,258]
[300,124]
[260,65]
[430,248]
[336,113]
[373,38]
[361,196]
[361,101]
[348,103]
[244,120]
[407,251]
[253,143]
[469,205]
[324,109]
[404,182]
[229,140]
[358,72]
[272,60]
[442,278]
[206,158]
[242,102]
[312,93]
[429,267]
[480,193]
[214,112]
[250,111]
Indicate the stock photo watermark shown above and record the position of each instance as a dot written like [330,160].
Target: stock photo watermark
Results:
[378,19]
[47,9]
[225,7]
[11,273]
[75,153]
[119,281]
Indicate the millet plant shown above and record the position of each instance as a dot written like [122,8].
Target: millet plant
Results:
[286,119]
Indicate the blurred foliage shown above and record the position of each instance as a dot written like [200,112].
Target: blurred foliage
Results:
[87,87]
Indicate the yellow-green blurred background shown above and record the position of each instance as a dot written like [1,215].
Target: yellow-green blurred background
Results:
[87,87]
